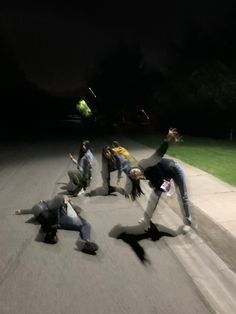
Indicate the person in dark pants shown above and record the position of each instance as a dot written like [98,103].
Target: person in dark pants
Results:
[61,213]
[111,161]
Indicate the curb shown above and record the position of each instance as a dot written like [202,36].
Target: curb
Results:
[209,262]
[222,242]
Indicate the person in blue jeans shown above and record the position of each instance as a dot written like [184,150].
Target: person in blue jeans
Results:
[60,212]
[166,169]
[157,170]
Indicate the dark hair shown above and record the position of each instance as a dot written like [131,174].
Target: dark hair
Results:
[115,144]
[136,189]
[105,149]
[86,143]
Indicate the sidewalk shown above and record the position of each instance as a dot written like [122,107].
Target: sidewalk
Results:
[212,203]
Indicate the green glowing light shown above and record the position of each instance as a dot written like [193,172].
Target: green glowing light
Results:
[83,108]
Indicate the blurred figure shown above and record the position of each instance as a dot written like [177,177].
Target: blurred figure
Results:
[80,178]
[111,161]
[60,212]
[117,148]
[159,171]
[131,166]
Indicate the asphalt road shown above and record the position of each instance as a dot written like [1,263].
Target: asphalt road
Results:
[40,278]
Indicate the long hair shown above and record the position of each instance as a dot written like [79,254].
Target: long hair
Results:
[105,149]
[87,145]
[136,189]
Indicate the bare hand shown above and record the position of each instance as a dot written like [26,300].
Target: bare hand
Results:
[77,209]
[173,134]
[66,199]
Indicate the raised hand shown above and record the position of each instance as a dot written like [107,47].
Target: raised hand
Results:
[173,134]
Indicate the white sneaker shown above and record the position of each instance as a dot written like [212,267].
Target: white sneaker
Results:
[145,223]
[185,229]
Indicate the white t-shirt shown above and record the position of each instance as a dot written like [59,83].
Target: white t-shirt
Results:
[71,212]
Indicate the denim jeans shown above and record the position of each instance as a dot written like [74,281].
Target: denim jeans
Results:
[180,183]
[76,224]
[176,173]
[151,206]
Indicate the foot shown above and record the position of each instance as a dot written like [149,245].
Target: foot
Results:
[188,220]
[185,229]
[49,239]
[90,248]
[93,245]
[18,212]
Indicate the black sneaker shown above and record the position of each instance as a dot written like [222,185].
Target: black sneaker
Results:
[188,220]
[90,248]
[50,239]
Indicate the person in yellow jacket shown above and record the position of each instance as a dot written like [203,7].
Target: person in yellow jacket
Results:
[117,148]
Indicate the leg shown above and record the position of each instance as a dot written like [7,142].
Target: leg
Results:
[180,181]
[70,185]
[84,229]
[48,221]
[75,183]
[151,206]
[105,180]
[76,224]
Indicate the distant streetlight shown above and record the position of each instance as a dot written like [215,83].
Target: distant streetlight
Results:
[147,117]
[91,91]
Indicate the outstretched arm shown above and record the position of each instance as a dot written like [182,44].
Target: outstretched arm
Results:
[172,136]
[24,211]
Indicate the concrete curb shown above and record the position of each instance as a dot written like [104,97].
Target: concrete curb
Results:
[203,260]
[222,242]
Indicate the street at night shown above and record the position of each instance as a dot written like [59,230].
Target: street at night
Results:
[117,157]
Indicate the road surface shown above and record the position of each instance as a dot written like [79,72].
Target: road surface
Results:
[40,278]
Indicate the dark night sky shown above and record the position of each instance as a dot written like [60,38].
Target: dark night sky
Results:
[55,44]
